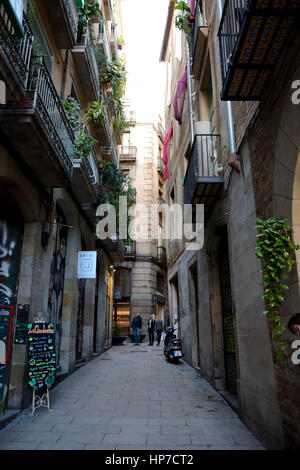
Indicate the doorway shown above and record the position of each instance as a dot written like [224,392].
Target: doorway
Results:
[11,239]
[228,314]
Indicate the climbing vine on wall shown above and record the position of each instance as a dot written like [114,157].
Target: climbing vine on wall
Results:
[275,248]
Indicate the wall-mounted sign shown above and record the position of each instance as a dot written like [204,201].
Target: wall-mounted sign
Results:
[87,263]
[21,324]
[41,355]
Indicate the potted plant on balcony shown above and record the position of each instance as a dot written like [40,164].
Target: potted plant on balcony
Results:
[88,12]
[184,18]
[83,144]
[96,113]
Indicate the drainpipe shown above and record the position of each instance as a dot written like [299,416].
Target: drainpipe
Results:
[233,159]
[189,83]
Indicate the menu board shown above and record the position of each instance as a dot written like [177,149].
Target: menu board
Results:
[41,355]
[21,324]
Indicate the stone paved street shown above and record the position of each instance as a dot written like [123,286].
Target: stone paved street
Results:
[131,398]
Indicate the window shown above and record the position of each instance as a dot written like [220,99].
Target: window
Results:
[40,44]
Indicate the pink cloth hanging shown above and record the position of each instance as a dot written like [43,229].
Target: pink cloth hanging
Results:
[179,97]
[192,5]
[165,151]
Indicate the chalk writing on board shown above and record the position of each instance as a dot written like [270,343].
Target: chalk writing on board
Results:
[21,324]
[41,355]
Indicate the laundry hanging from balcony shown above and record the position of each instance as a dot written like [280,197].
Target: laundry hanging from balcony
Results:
[165,151]
[193,5]
[179,97]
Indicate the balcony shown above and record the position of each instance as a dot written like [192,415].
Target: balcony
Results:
[102,131]
[130,250]
[111,152]
[252,36]
[15,53]
[199,42]
[162,256]
[38,129]
[131,117]
[85,182]
[115,248]
[63,17]
[128,153]
[84,56]
[202,181]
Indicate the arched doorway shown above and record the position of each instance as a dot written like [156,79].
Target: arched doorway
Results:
[11,236]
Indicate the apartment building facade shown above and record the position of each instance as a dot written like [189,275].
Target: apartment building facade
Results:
[233,146]
[51,63]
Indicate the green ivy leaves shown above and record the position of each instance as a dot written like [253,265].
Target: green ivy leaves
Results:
[274,248]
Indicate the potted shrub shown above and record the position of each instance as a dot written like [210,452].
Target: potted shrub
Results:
[96,113]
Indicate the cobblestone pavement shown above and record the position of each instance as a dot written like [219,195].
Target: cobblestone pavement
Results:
[131,398]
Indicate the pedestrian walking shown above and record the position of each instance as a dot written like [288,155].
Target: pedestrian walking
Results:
[151,328]
[159,330]
[136,325]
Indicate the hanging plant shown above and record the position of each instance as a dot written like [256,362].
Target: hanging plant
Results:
[115,184]
[96,113]
[184,19]
[72,109]
[83,144]
[274,247]
[88,12]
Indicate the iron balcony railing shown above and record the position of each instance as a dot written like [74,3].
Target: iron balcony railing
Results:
[90,165]
[198,23]
[42,96]
[232,19]
[204,165]
[130,249]
[87,42]
[17,50]
[128,151]
[252,36]
[161,254]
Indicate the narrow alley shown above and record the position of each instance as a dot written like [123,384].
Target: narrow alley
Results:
[131,398]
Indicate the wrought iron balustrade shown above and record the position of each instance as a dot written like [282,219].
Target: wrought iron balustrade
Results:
[42,96]
[161,254]
[203,175]
[17,50]
[252,36]
[128,151]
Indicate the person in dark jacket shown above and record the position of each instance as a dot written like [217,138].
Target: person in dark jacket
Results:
[159,330]
[136,325]
[151,327]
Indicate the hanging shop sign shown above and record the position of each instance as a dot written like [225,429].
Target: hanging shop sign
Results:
[87,263]
[41,355]
[21,324]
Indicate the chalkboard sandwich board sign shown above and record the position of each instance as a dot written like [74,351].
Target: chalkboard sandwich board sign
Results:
[41,355]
